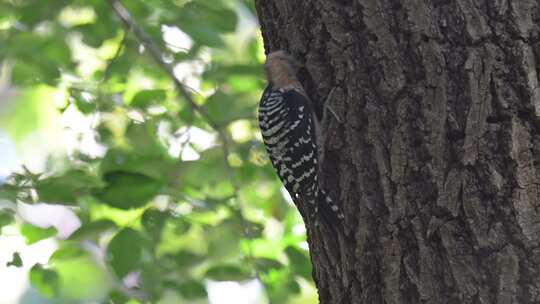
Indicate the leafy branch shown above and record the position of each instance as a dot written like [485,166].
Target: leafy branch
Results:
[154,51]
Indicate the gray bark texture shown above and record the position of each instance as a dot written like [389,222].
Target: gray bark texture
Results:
[432,144]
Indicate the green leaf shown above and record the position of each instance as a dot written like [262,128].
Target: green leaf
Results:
[28,73]
[299,262]
[6,218]
[65,189]
[185,259]
[103,28]
[153,222]
[202,35]
[82,103]
[117,297]
[192,290]
[156,166]
[250,5]
[93,34]
[221,73]
[217,15]
[225,108]
[125,190]
[34,234]
[217,19]
[245,84]
[150,279]
[66,253]
[227,273]
[255,229]
[8,192]
[27,112]
[143,139]
[81,277]
[224,239]
[33,12]
[180,225]
[92,229]
[46,281]
[15,261]
[195,173]
[145,98]
[280,285]
[293,287]
[124,252]
[266,264]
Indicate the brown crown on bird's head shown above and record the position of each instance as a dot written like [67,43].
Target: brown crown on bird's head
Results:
[281,68]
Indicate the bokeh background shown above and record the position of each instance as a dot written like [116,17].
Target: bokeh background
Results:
[116,187]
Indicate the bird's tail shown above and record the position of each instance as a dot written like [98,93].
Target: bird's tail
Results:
[321,208]
[330,212]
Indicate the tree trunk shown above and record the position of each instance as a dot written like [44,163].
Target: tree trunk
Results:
[432,122]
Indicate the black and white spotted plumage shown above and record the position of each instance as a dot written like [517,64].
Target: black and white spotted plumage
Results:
[288,131]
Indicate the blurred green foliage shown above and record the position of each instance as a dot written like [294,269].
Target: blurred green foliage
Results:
[172,221]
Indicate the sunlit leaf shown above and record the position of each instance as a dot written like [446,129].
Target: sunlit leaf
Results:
[34,234]
[67,252]
[31,109]
[82,277]
[145,98]
[46,281]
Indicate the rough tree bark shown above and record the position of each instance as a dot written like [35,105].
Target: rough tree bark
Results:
[434,148]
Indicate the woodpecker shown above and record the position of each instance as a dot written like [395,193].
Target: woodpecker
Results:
[288,126]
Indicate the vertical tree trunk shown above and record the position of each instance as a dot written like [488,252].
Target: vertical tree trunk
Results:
[433,146]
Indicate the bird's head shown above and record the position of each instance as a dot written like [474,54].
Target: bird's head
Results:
[281,68]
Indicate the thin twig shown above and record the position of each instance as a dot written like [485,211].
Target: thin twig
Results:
[155,53]
[111,61]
